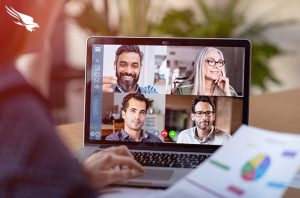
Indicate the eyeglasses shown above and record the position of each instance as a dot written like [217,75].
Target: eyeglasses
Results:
[213,63]
[200,114]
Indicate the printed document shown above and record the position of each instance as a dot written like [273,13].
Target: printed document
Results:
[256,163]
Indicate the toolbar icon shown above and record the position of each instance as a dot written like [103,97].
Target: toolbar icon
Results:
[172,133]
[164,133]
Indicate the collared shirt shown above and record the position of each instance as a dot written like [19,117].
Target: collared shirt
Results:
[123,136]
[215,137]
[145,89]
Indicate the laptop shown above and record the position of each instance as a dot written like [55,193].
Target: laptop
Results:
[167,64]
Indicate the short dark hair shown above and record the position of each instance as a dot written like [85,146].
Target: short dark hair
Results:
[129,48]
[203,99]
[138,96]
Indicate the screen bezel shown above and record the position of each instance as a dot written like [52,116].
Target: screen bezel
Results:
[218,42]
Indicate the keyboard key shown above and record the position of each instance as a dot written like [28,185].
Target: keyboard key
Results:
[169,159]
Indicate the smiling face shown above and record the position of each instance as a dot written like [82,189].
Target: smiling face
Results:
[134,115]
[128,68]
[212,72]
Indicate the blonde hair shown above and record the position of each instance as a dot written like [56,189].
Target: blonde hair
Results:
[198,76]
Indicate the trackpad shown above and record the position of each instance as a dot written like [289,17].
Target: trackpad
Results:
[156,174]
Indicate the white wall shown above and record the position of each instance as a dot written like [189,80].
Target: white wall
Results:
[287,66]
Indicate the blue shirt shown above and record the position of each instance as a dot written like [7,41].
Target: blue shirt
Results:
[123,136]
[143,90]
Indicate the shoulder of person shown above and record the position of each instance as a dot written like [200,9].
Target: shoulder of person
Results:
[189,130]
[186,83]
[110,137]
[153,136]
[232,91]
[36,144]
[185,87]
[219,132]
[185,135]
[114,136]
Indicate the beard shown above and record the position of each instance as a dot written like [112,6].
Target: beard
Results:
[125,84]
[204,125]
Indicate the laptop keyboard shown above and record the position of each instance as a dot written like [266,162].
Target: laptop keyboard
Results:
[169,159]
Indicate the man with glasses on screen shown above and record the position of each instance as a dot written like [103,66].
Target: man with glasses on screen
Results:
[128,64]
[204,115]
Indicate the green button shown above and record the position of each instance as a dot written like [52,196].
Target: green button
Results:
[172,134]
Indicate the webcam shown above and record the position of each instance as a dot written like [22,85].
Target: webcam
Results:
[165,42]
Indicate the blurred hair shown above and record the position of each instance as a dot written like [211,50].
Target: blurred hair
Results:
[138,96]
[203,99]
[129,48]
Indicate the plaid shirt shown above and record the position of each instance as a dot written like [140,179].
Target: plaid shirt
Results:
[123,136]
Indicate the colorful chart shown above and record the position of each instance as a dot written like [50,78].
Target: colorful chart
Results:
[256,167]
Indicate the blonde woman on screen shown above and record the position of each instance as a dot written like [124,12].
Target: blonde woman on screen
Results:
[209,76]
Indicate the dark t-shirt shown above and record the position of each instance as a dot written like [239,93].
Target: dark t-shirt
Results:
[33,160]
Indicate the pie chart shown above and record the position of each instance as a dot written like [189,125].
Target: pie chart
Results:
[256,167]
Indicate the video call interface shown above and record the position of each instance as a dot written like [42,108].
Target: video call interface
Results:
[171,78]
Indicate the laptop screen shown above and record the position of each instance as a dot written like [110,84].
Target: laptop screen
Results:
[165,91]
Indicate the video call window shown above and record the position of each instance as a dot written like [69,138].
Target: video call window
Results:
[191,70]
[171,78]
[151,65]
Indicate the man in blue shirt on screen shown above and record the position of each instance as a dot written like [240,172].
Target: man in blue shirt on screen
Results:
[134,109]
[128,63]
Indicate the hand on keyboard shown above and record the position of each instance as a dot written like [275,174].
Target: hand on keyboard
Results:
[111,165]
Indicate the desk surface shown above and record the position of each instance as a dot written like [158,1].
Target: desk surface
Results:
[275,111]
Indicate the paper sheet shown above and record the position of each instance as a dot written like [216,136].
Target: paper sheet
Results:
[256,163]
[296,181]
[129,192]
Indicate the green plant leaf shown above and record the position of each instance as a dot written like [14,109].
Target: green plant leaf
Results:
[218,20]
[227,21]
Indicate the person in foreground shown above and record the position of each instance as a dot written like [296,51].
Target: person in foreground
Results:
[209,76]
[128,64]
[34,161]
[204,115]
[134,109]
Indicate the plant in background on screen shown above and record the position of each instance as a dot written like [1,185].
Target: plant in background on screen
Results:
[225,20]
